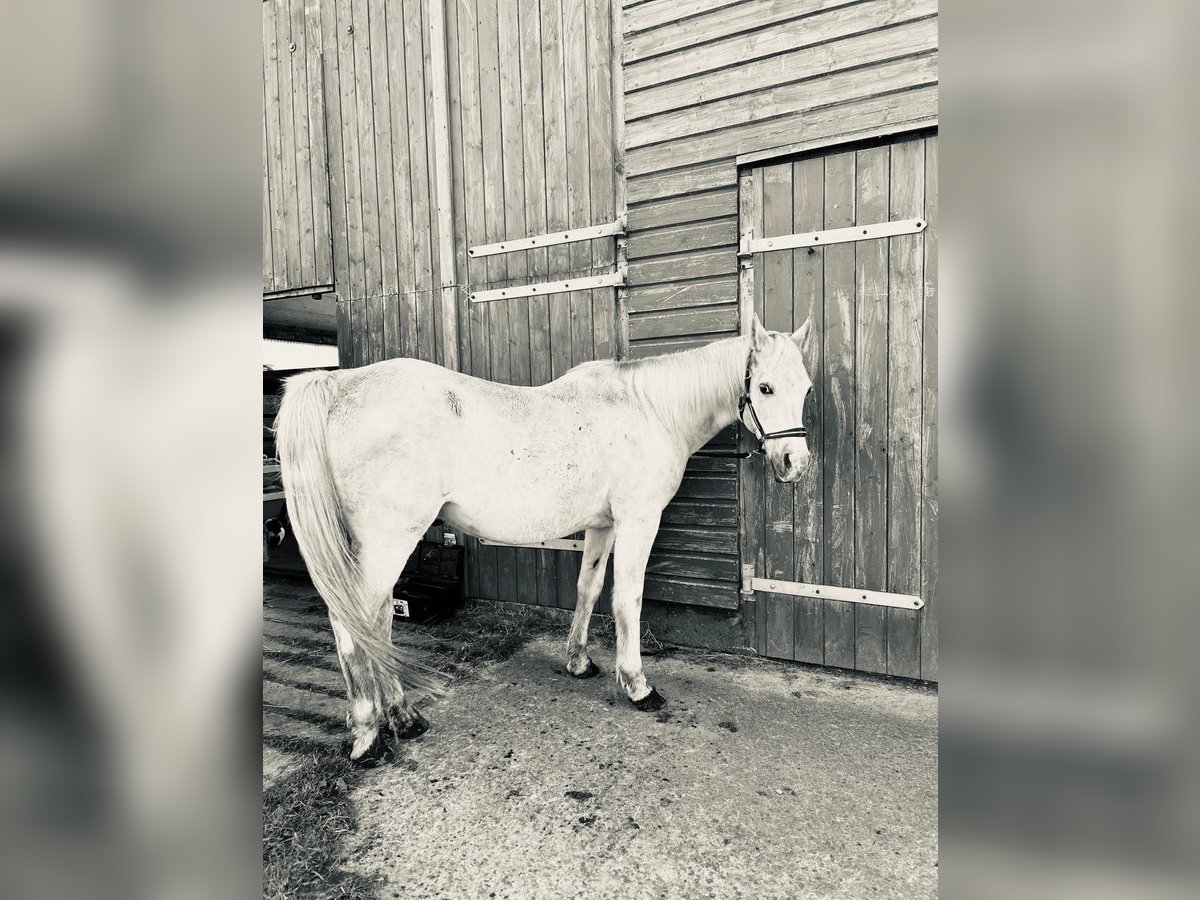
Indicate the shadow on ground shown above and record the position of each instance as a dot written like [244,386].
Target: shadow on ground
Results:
[758,779]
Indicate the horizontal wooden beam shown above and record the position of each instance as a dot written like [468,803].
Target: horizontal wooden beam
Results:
[299,334]
[570,236]
[836,235]
[892,129]
[554,544]
[312,290]
[612,279]
[829,592]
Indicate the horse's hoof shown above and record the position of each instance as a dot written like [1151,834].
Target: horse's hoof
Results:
[376,755]
[591,671]
[415,728]
[652,701]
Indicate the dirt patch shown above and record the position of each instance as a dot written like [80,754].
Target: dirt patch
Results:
[308,818]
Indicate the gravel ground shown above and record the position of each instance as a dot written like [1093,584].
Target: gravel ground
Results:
[759,779]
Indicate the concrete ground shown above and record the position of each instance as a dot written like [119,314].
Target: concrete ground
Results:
[758,779]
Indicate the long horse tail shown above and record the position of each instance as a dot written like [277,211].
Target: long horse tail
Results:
[316,515]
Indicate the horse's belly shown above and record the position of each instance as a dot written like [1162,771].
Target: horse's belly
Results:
[526,510]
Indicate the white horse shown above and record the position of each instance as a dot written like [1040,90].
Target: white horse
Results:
[372,456]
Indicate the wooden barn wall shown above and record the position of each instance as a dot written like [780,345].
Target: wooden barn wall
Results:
[297,227]
[704,83]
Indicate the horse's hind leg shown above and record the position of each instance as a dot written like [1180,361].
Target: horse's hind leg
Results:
[597,544]
[375,698]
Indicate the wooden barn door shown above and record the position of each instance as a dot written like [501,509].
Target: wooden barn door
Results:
[865,514]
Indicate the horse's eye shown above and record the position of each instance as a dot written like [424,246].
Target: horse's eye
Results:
[766,389]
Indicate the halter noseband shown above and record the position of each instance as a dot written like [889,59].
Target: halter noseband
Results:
[762,435]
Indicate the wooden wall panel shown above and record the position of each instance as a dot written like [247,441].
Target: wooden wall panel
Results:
[378,98]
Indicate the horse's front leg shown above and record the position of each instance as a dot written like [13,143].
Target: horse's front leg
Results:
[633,541]
[597,545]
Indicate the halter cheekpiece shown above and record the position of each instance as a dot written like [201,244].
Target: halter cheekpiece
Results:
[761,434]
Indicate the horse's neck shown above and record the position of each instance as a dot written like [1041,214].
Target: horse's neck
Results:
[696,392]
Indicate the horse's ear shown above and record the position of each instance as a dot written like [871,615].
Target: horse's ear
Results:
[802,334]
[758,334]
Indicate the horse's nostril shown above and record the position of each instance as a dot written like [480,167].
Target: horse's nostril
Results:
[787,460]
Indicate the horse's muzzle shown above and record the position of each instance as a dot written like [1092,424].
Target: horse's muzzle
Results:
[789,467]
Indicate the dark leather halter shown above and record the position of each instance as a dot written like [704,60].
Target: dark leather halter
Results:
[762,435]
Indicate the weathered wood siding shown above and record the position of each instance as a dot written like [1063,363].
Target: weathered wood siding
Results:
[297,235]
[865,513]
[382,179]
[704,83]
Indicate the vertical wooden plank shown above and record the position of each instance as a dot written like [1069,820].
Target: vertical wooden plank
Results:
[345,345]
[493,180]
[808,291]
[415,64]
[579,205]
[906,275]
[838,427]
[320,167]
[775,275]
[431,306]
[758,462]
[597,25]
[268,260]
[534,168]
[469,119]
[364,92]
[304,140]
[513,167]
[397,79]
[355,273]
[554,106]
[493,161]
[929,422]
[871,423]
[338,214]
[288,196]
[750,470]
[439,87]
[390,338]
[511,132]
[358,332]
[271,114]
[458,185]
[620,206]
[387,238]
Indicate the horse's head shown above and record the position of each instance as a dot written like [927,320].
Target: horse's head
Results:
[778,385]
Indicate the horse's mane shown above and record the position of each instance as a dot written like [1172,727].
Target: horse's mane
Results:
[682,387]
